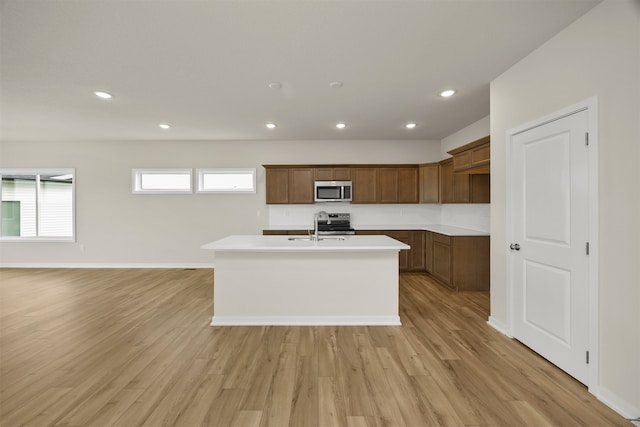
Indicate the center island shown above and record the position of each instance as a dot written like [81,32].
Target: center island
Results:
[294,280]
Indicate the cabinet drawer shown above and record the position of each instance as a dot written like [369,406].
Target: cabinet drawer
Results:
[441,238]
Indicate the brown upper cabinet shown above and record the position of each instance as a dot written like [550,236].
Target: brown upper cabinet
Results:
[465,178]
[454,188]
[473,158]
[365,184]
[385,184]
[378,184]
[277,185]
[429,183]
[333,174]
[461,187]
[301,185]
[289,185]
[408,185]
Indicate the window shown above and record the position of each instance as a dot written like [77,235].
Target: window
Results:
[37,204]
[161,181]
[226,180]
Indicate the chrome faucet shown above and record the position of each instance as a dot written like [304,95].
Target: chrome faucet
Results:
[316,216]
[315,227]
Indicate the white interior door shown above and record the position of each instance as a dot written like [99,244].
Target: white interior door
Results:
[549,263]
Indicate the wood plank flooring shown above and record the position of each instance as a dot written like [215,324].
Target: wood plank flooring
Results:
[133,347]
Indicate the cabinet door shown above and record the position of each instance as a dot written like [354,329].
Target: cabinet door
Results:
[461,188]
[446,182]
[342,174]
[323,174]
[417,258]
[480,188]
[462,161]
[388,185]
[277,183]
[408,185]
[442,258]
[429,183]
[364,185]
[333,174]
[454,187]
[301,185]
[474,157]
[428,251]
[470,263]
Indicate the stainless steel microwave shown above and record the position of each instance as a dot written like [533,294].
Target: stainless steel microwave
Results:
[332,191]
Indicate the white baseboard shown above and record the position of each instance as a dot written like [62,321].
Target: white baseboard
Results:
[305,321]
[498,326]
[102,265]
[621,406]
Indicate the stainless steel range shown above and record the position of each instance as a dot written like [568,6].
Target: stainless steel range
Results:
[336,224]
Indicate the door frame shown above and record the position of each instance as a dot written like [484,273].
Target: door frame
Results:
[591,106]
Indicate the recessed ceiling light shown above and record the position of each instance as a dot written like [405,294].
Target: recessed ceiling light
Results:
[275,85]
[103,95]
[447,93]
[410,125]
[335,85]
[271,125]
[341,125]
[164,126]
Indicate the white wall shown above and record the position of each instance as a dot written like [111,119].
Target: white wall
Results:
[598,55]
[473,132]
[115,227]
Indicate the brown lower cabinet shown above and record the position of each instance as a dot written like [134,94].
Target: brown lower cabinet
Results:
[287,232]
[409,260]
[459,262]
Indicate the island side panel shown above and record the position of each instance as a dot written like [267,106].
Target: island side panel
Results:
[302,288]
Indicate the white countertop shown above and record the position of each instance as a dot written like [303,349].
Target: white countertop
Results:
[252,243]
[436,228]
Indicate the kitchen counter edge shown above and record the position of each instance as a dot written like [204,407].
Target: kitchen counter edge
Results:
[447,230]
[256,243]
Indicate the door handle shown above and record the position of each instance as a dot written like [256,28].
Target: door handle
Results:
[514,247]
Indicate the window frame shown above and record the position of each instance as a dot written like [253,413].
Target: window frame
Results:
[136,180]
[200,180]
[38,172]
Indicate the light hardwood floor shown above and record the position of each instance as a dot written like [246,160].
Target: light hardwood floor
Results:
[129,347]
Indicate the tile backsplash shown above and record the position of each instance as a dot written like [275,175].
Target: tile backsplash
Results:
[473,216]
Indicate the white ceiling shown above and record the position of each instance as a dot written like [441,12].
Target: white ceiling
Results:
[205,66]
